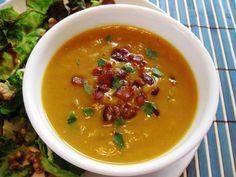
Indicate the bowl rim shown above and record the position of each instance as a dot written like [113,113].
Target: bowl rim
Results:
[138,168]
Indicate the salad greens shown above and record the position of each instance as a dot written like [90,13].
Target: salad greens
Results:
[22,152]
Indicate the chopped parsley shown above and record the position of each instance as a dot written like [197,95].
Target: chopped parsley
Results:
[119,122]
[149,108]
[71,118]
[156,72]
[101,62]
[150,53]
[117,83]
[88,111]
[118,140]
[88,89]
[128,68]
[108,38]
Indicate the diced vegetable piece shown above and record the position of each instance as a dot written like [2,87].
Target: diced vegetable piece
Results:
[88,89]
[118,140]
[88,111]
[71,118]
[150,53]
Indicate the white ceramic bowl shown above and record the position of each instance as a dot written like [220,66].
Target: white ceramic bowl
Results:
[194,52]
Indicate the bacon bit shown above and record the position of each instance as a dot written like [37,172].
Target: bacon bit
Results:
[111,113]
[97,95]
[78,80]
[120,54]
[97,71]
[139,83]
[148,79]
[128,111]
[105,78]
[125,93]
[140,99]
[155,91]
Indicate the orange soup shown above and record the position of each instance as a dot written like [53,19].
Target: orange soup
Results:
[119,94]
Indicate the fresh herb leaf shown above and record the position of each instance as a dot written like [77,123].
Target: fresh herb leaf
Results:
[118,140]
[117,83]
[88,89]
[119,122]
[156,72]
[95,3]
[71,118]
[128,68]
[149,108]
[108,38]
[150,53]
[88,111]
[101,62]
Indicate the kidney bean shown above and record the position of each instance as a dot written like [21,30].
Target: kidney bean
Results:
[111,113]
[137,59]
[155,91]
[105,78]
[140,100]
[120,54]
[128,111]
[103,88]
[148,79]
[139,83]
[121,74]
[78,80]
[97,95]
[97,71]
[125,93]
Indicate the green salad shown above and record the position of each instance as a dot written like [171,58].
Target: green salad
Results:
[22,152]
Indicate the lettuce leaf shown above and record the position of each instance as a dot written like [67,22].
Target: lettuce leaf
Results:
[39,5]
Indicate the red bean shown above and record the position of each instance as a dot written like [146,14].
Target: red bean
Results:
[148,79]
[125,93]
[78,80]
[128,111]
[120,54]
[105,78]
[137,59]
[103,87]
[121,74]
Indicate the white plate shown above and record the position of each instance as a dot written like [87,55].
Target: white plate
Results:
[175,169]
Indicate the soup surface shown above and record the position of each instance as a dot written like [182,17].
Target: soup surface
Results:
[119,94]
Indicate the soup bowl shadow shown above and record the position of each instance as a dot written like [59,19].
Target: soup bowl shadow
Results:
[178,35]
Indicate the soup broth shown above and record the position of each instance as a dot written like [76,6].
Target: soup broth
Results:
[119,94]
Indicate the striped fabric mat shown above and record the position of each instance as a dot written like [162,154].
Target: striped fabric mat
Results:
[213,22]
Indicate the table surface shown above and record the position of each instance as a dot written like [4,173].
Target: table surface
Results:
[213,22]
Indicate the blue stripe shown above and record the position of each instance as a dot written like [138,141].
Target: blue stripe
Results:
[233,8]
[201,13]
[153,1]
[233,82]
[219,16]
[172,9]
[227,96]
[225,150]
[202,160]
[162,4]
[232,130]
[191,170]
[2,1]
[215,166]
[228,17]
[210,13]
[219,113]
[182,14]
[233,39]
[192,12]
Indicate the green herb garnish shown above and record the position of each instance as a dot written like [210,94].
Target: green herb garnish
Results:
[149,108]
[118,140]
[156,72]
[88,89]
[88,111]
[71,118]
[119,122]
[101,62]
[150,53]
[108,38]
[95,3]
[117,83]
[128,68]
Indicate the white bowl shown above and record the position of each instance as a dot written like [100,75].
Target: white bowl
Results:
[194,52]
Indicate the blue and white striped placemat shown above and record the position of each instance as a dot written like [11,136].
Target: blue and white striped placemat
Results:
[213,22]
